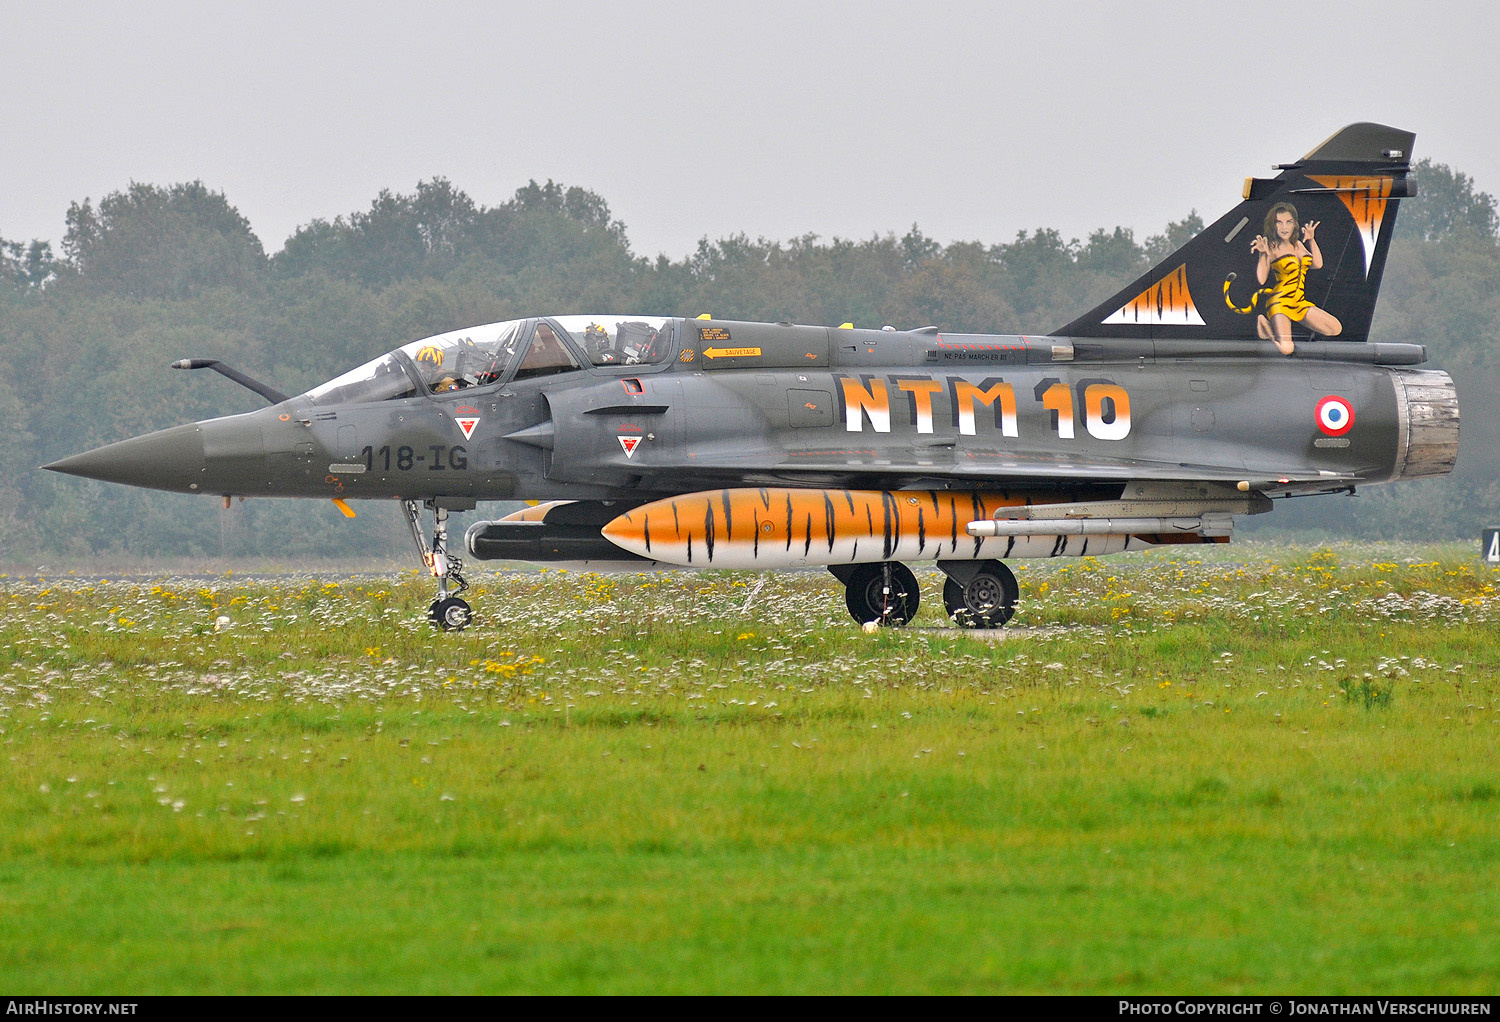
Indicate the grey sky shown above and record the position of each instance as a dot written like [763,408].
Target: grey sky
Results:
[777,119]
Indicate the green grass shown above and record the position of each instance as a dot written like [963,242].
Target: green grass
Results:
[1271,771]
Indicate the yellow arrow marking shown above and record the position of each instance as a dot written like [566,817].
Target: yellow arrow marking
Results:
[731,353]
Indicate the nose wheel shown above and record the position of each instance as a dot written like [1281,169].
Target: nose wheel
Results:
[448,611]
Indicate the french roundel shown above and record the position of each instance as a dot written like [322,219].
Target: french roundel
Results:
[1335,415]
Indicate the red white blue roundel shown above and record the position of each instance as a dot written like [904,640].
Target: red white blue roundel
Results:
[1335,415]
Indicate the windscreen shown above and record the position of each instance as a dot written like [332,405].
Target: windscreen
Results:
[451,361]
[381,379]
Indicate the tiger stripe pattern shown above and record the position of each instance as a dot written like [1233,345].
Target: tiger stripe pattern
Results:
[1255,297]
[779,527]
[1167,302]
[1365,198]
[534,513]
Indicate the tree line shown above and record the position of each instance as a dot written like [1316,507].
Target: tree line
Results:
[153,273]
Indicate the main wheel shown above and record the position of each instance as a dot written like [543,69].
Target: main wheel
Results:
[866,595]
[987,600]
[450,614]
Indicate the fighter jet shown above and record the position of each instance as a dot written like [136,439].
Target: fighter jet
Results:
[1235,372]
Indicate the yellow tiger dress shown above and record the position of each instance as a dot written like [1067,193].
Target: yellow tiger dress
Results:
[1288,291]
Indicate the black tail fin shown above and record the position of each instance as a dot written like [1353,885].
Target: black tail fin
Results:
[1349,187]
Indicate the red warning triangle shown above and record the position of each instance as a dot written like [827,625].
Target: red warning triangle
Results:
[630,443]
[467,424]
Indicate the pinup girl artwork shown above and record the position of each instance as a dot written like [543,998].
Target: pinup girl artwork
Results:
[1286,257]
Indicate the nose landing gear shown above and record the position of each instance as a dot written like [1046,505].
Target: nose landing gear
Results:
[448,611]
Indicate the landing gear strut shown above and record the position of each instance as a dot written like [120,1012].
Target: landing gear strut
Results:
[448,612]
[885,593]
[979,594]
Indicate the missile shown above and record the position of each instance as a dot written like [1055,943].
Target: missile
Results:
[1206,525]
[793,528]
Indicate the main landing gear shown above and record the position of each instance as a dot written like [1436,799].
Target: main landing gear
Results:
[448,612]
[977,594]
[885,593]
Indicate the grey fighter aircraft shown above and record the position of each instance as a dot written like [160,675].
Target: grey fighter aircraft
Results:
[1236,371]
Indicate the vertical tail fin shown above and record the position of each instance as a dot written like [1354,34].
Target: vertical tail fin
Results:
[1347,189]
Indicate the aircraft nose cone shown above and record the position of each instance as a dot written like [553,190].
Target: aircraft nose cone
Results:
[169,459]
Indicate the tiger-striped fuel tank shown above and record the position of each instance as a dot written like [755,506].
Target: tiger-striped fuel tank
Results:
[787,528]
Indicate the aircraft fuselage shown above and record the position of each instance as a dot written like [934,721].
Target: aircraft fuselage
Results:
[896,410]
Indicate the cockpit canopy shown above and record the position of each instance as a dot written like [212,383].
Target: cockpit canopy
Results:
[496,353]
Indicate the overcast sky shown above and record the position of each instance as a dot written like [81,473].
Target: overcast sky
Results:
[974,120]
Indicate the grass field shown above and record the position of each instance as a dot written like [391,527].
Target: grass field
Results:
[1271,771]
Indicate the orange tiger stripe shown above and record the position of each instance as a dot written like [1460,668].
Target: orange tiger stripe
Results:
[535,513]
[770,527]
[1168,301]
[1365,198]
